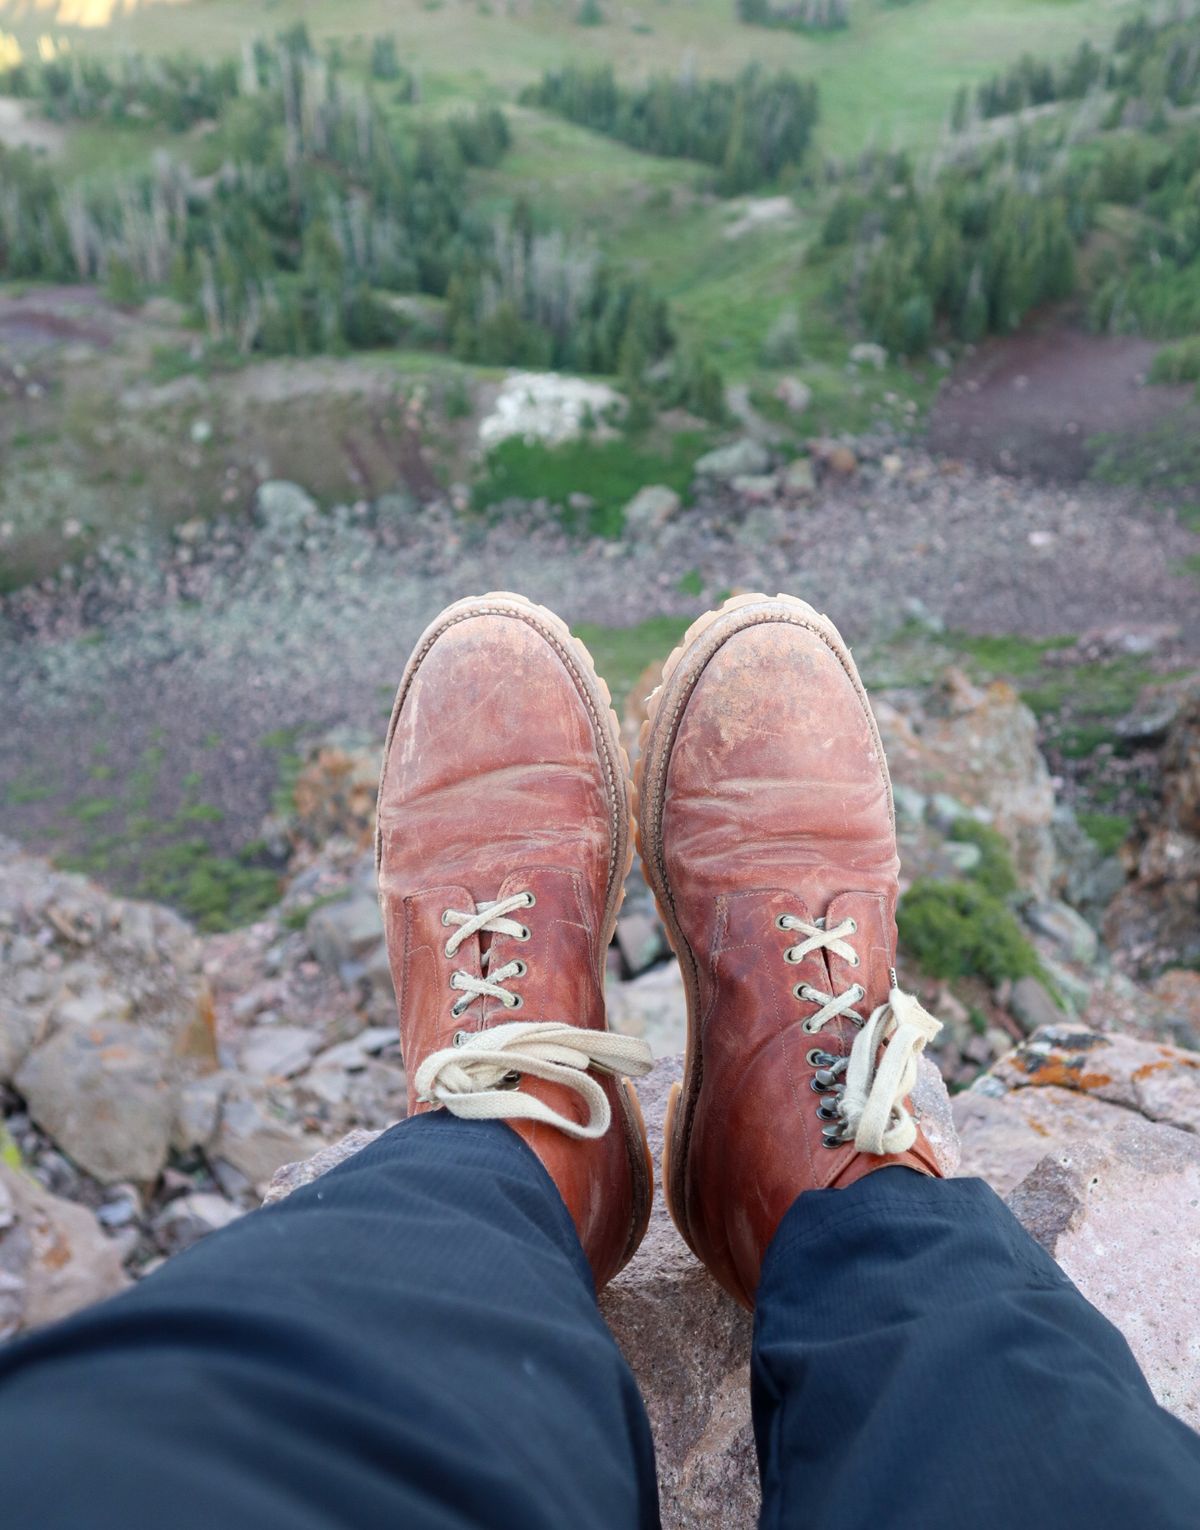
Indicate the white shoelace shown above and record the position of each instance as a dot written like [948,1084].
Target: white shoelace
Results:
[476,1077]
[469,1078]
[872,1105]
[492,918]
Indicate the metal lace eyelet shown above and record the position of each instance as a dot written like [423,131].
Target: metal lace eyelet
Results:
[458,1007]
[446,951]
[800,991]
[446,916]
[854,926]
[790,956]
[781,921]
[530,900]
[525,932]
[860,991]
[856,960]
[815,1058]
[831,1142]
[514,1001]
[828,1108]
[519,968]
[460,1038]
[809,1028]
[824,1078]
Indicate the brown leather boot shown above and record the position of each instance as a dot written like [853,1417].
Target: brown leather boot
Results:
[767,833]
[503,844]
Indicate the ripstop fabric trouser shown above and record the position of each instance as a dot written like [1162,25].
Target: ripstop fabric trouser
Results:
[414,1341]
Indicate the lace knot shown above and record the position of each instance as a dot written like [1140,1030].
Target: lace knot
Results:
[472,1079]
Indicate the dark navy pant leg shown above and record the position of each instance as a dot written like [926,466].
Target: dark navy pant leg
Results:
[412,1341]
[921,1364]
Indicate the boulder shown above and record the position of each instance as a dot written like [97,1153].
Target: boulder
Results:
[278,1051]
[54,1256]
[755,488]
[742,458]
[335,792]
[19,1028]
[868,354]
[197,1111]
[1121,1215]
[107,1016]
[797,481]
[106,1095]
[294,1176]
[1031,1005]
[1178,992]
[1155,919]
[254,1141]
[346,931]
[834,458]
[191,1217]
[549,407]
[979,749]
[651,1006]
[286,510]
[650,509]
[641,939]
[1070,932]
[1095,1141]
[793,394]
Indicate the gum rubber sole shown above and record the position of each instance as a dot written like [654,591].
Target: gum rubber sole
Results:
[664,710]
[597,698]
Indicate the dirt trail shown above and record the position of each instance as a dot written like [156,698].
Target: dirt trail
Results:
[1035,402]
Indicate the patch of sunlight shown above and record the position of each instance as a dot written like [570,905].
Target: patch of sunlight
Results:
[10,51]
[85,14]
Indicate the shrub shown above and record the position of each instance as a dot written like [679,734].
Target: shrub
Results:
[782,346]
[959,929]
[797,15]
[994,873]
[1177,363]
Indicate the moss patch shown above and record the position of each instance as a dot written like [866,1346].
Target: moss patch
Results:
[994,873]
[1108,830]
[959,929]
[608,472]
[623,653]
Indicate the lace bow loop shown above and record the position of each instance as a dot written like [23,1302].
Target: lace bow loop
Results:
[877,1084]
[468,1079]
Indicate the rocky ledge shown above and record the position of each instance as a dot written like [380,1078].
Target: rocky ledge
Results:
[1092,1139]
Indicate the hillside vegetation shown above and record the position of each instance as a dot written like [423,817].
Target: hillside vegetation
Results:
[681,202]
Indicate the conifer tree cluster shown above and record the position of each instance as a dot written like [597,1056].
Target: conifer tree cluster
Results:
[1153,63]
[541,300]
[965,256]
[751,128]
[797,15]
[321,208]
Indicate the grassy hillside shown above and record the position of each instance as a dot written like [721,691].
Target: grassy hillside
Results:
[888,79]
[756,286]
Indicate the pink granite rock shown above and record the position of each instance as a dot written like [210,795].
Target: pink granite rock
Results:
[1122,1217]
[1158,1081]
[1094,1140]
[54,1256]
